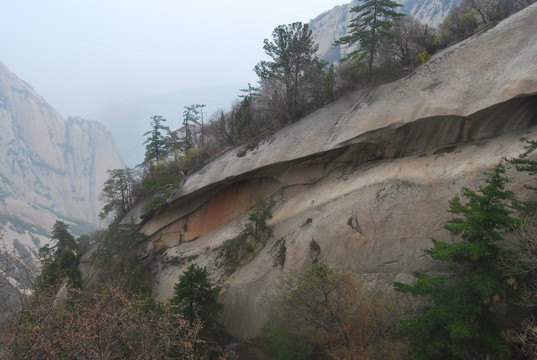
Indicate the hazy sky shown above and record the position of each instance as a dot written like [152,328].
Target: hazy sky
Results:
[83,54]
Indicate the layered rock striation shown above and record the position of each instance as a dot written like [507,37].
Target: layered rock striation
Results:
[50,168]
[363,183]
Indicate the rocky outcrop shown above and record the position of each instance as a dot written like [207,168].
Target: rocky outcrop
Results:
[333,24]
[50,168]
[362,184]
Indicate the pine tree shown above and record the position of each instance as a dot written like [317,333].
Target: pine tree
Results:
[259,214]
[241,118]
[59,261]
[370,28]
[459,323]
[192,114]
[196,295]
[155,144]
[525,164]
[64,240]
[329,83]
[293,52]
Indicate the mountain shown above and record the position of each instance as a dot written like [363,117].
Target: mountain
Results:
[430,12]
[332,25]
[362,184]
[129,121]
[50,168]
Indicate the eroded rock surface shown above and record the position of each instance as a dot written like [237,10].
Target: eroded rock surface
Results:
[366,179]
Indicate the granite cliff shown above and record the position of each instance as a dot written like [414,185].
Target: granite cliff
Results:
[50,168]
[367,178]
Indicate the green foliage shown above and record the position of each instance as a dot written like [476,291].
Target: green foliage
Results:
[424,56]
[196,295]
[118,239]
[525,164]
[192,114]
[259,214]
[459,323]
[371,26]
[241,118]
[239,251]
[187,141]
[60,261]
[155,143]
[156,202]
[117,193]
[301,314]
[329,84]
[314,246]
[118,253]
[458,25]
[387,73]
[323,312]
[64,240]
[284,343]
[353,73]
[292,51]
[243,248]
[162,190]
[193,159]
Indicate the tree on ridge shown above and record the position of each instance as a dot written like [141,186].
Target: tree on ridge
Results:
[370,28]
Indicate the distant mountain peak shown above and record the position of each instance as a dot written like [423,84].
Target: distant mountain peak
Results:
[50,168]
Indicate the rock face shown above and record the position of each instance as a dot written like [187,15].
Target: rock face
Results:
[363,183]
[332,25]
[49,168]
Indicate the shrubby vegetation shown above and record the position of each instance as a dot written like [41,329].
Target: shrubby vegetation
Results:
[320,313]
[460,321]
[112,317]
[244,247]
[196,298]
[196,295]
[490,270]
[118,249]
[101,322]
[470,16]
[490,273]
[117,193]
[480,305]
[324,314]
[60,260]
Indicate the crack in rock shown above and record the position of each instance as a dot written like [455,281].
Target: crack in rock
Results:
[353,223]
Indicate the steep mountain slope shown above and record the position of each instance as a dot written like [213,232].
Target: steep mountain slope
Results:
[332,25]
[361,184]
[49,168]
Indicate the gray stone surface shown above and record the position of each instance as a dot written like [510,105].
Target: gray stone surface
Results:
[368,178]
